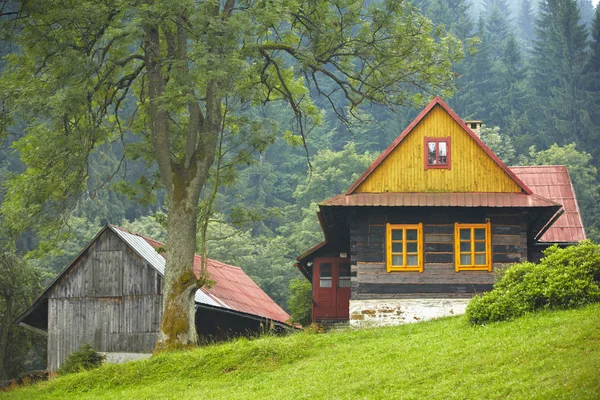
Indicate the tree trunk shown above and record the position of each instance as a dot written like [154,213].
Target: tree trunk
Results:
[177,328]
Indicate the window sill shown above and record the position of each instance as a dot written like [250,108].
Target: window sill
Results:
[478,268]
[404,269]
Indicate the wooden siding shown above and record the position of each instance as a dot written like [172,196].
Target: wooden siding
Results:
[111,300]
[370,280]
[472,169]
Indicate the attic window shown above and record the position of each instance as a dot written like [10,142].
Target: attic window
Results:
[437,152]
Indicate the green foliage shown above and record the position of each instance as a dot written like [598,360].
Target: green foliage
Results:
[547,355]
[20,283]
[300,301]
[500,144]
[564,278]
[84,359]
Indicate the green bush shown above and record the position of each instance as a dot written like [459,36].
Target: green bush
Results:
[564,278]
[83,359]
[300,302]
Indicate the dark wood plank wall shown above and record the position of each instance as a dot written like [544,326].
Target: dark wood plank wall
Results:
[111,300]
[439,278]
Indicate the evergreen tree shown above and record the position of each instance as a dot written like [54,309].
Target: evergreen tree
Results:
[497,29]
[511,97]
[559,59]
[586,11]
[526,22]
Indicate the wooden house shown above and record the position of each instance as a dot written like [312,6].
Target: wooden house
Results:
[110,297]
[428,224]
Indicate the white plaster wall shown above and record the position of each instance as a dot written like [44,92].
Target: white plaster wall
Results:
[402,311]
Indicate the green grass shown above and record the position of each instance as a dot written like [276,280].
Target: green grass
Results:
[540,356]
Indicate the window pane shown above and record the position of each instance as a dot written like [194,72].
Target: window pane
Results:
[480,234]
[480,259]
[397,247]
[465,234]
[465,259]
[397,260]
[412,261]
[397,234]
[480,246]
[411,234]
[344,283]
[344,271]
[431,153]
[325,282]
[465,246]
[442,152]
[325,270]
[411,247]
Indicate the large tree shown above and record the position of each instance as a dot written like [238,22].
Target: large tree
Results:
[181,75]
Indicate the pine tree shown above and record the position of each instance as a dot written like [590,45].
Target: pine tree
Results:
[559,58]
[525,21]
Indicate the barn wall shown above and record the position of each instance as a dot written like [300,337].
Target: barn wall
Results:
[111,299]
[379,296]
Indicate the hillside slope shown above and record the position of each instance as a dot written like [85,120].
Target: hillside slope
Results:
[547,355]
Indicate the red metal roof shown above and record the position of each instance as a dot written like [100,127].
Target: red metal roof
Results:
[436,101]
[553,182]
[233,289]
[440,200]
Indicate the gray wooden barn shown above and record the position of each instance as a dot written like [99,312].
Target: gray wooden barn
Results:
[110,297]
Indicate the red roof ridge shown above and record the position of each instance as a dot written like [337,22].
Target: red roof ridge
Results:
[436,101]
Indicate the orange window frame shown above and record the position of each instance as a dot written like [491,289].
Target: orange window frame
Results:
[472,252]
[405,253]
[437,141]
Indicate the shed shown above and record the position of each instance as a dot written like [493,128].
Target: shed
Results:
[110,296]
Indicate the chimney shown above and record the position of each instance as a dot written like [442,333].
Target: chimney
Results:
[475,126]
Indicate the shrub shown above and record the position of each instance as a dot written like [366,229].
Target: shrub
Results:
[300,302]
[564,278]
[83,359]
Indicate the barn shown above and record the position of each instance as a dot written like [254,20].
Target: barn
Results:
[429,223]
[110,297]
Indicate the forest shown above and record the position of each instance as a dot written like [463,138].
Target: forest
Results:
[530,71]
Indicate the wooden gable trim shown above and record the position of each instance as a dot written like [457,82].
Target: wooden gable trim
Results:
[437,100]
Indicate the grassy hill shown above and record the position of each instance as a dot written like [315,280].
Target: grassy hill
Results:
[543,356]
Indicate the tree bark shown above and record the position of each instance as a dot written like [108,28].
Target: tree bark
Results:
[177,328]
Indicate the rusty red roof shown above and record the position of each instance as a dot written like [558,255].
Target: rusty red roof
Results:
[233,289]
[436,101]
[553,182]
[440,200]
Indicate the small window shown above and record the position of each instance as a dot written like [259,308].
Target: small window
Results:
[325,280]
[437,152]
[404,247]
[472,247]
[473,125]
[344,276]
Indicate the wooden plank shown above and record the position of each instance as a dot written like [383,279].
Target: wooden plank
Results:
[439,229]
[439,258]
[506,229]
[382,288]
[434,238]
[509,240]
[439,248]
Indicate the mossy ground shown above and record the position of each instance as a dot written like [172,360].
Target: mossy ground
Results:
[540,356]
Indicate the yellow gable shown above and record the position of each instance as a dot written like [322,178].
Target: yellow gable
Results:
[472,169]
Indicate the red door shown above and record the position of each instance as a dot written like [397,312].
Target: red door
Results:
[331,289]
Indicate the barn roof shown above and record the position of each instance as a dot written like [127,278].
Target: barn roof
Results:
[553,183]
[233,289]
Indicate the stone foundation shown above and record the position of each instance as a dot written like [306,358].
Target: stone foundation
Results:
[402,311]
